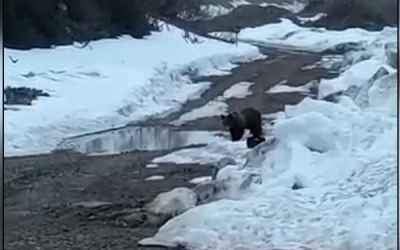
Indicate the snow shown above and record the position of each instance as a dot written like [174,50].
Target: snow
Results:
[201,180]
[238,90]
[343,154]
[108,83]
[214,10]
[212,108]
[155,178]
[282,88]
[172,202]
[286,34]
[218,105]
[314,18]
[214,151]
[152,165]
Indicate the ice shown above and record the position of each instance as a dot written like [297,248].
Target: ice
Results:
[130,138]
[108,83]
[343,157]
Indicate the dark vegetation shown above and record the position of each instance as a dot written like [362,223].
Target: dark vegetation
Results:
[342,14]
[22,95]
[44,23]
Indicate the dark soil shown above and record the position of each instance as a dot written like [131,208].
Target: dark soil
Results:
[40,192]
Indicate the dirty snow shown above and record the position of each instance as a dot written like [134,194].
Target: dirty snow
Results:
[152,165]
[343,155]
[104,85]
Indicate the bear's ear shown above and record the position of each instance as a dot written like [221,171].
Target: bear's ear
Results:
[222,117]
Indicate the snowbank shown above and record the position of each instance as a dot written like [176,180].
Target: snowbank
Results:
[108,83]
[343,159]
[286,34]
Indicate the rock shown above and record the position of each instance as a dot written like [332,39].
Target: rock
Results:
[253,142]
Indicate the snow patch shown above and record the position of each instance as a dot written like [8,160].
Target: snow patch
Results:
[155,178]
[238,90]
[119,87]
[201,180]
[210,154]
[282,88]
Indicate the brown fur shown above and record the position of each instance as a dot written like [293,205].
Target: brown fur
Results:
[238,122]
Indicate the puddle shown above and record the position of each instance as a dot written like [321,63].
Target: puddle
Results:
[131,137]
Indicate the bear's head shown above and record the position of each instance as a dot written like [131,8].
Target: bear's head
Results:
[228,120]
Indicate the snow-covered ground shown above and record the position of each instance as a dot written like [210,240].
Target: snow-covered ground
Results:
[108,83]
[342,155]
[214,10]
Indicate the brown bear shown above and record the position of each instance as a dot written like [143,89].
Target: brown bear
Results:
[237,122]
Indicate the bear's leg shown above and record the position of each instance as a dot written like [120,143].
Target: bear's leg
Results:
[256,131]
[236,134]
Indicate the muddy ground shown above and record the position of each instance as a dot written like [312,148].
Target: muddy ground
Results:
[42,192]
